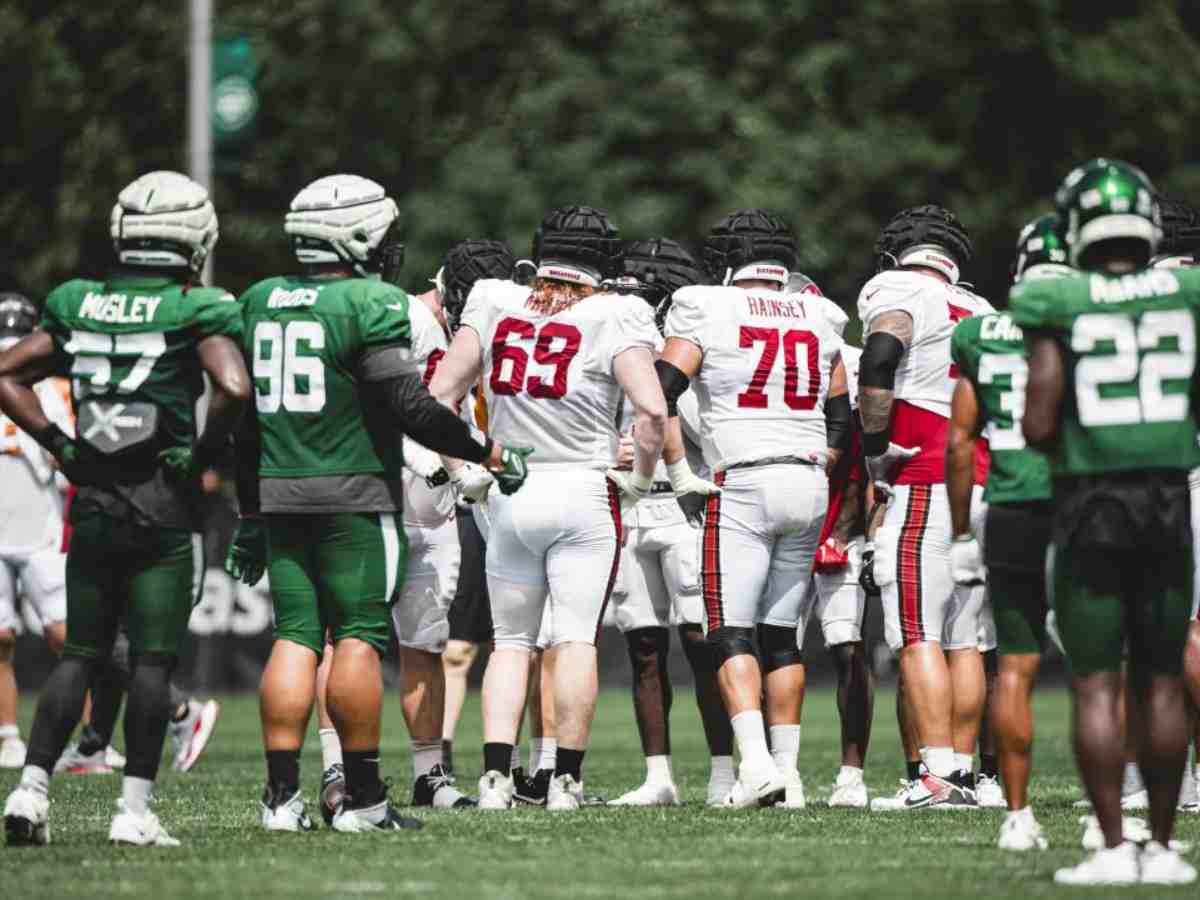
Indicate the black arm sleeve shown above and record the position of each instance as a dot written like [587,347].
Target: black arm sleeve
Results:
[880,358]
[247,444]
[673,382]
[427,422]
[837,422]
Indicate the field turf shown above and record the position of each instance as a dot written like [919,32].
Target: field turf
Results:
[686,853]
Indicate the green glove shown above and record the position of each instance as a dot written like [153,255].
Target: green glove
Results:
[247,558]
[180,464]
[513,469]
[71,458]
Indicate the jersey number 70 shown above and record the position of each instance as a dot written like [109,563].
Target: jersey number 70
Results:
[755,395]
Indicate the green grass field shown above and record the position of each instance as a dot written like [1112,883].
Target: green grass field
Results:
[686,853]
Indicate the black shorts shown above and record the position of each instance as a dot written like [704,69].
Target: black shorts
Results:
[471,610]
[1123,509]
[1016,535]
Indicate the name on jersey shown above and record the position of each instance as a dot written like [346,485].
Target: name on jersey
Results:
[282,298]
[1152,283]
[118,308]
[1000,328]
[780,309]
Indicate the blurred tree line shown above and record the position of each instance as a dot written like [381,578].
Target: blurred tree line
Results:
[480,116]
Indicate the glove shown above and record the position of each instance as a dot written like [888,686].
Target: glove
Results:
[247,557]
[71,458]
[632,487]
[183,465]
[513,469]
[425,463]
[472,482]
[966,561]
[691,491]
[831,556]
[866,578]
[881,468]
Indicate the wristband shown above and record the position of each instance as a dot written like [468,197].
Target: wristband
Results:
[53,439]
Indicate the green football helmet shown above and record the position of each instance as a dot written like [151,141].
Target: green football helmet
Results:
[1041,249]
[1106,200]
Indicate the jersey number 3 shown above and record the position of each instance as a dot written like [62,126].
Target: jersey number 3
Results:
[755,395]
[556,345]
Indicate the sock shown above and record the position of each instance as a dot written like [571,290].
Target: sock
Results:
[569,762]
[658,770]
[497,757]
[913,769]
[363,787]
[751,739]
[1132,781]
[448,754]
[850,775]
[964,762]
[8,732]
[939,760]
[514,758]
[989,765]
[542,753]
[785,747]
[136,794]
[426,755]
[331,748]
[721,770]
[35,778]
[283,772]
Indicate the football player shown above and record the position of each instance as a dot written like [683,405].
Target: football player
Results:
[1111,396]
[906,377]
[556,358]
[989,352]
[31,525]
[335,380]
[774,411]
[658,586]
[136,346]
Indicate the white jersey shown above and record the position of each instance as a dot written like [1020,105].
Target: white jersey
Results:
[31,505]
[423,505]
[765,375]
[549,379]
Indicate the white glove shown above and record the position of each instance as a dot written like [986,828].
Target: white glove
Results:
[472,482]
[425,463]
[966,561]
[631,485]
[881,469]
[691,491]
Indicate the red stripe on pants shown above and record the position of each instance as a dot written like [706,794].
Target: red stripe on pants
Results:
[710,564]
[908,554]
[614,507]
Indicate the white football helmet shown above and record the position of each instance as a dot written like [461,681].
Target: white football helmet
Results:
[340,219]
[164,220]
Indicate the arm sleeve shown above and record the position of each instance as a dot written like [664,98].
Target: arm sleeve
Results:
[426,421]
[247,442]
[880,359]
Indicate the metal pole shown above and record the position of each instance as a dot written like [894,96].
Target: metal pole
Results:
[200,163]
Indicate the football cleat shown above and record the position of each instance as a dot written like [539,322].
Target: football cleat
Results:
[12,753]
[1189,797]
[134,830]
[849,790]
[284,813]
[381,816]
[898,801]
[931,791]
[649,794]
[1162,866]
[1021,832]
[718,789]
[1133,830]
[756,787]
[192,732]
[988,792]
[793,791]
[1118,865]
[437,789]
[333,791]
[565,794]
[495,791]
[27,818]
[75,763]
[532,791]
[113,758]
[1135,800]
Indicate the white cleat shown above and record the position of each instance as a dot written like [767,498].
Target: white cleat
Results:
[1021,832]
[285,815]
[565,794]
[718,790]
[755,787]
[27,818]
[899,801]
[495,791]
[649,795]
[12,753]
[1133,830]
[1189,797]
[382,816]
[1135,800]
[192,732]
[136,830]
[1162,866]
[75,763]
[849,791]
[988,793]
[793,791]
[113,758]
[1116,866]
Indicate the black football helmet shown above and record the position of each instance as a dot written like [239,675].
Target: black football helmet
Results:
[748,236]
[18,315]
[1180,244]
[657,268]
[929,236]
[579,244]
[466,263]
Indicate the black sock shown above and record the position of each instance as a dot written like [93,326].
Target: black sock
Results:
[569,762]
[497,758]
[989,765]
[913,769]
[146,713]
[58,710]
[283,773]
[363,787]
[448,756]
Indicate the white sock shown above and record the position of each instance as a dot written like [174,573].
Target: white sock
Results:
[751,739]
[964,762]
[849,775]
[543,753]
[658,770]
[136,794]
[426,755]
[8,732]
[785,747]
[331,748]
[938,760]
[35,778]
[1132,780]
[514,761]
[721,770]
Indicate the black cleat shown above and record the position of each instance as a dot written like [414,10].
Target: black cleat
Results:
[333,792]
[532,791]
[438,789]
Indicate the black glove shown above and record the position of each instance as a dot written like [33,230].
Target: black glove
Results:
[866,576]
[247,557]
[81,467]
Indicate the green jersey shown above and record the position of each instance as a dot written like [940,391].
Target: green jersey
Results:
[1129,347]
[990,352]
[129,345]
[312,342]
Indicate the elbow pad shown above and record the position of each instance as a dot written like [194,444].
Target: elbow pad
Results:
[673,382]
[838,427]
[880,359]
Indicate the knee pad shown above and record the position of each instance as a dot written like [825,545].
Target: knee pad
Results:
[727,642]
[778,647]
